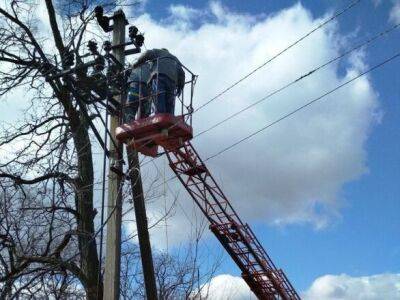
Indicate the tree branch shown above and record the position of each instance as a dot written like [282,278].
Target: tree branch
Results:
[54,27]
[18,180]
[27,31]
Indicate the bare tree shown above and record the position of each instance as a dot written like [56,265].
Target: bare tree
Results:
[54,122]
[47,213]
[32,237]
[178,274]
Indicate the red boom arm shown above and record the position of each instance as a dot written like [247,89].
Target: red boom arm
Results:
[258,270]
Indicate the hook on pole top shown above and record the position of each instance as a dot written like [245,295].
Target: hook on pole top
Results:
[104,21]
[120,13]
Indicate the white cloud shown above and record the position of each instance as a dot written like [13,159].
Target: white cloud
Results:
[327,287]
[395,12]
[184,12]
[345,287]
[295,171]
[225,286]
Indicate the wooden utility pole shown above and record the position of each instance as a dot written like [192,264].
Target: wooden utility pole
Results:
[113,251]
[141,225]
[114,207]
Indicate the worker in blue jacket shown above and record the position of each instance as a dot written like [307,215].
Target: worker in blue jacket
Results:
[138,93]
[167,78]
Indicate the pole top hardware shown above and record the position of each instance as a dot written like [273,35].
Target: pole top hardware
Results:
[104,21]
[136,38]
[120,13]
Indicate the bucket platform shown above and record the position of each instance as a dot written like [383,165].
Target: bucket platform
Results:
[147,134]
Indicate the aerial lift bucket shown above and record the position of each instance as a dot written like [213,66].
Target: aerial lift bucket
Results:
[145,135]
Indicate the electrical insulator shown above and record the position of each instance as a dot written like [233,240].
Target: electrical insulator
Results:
[98,11]
[92,45]
[107,46]
[103,21]
[139,39]
[133,31]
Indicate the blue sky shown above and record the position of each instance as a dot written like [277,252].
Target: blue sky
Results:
[363,240]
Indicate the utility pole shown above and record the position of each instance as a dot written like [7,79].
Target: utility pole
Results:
[113,251]
[141,225]
[114,207]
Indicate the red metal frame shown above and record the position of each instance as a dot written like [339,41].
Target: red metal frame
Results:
[258,270]
[145,135]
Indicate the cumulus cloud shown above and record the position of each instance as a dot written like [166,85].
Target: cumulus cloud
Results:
[327,287]
[345,287]
[295,171]
[223,287]
[186,13]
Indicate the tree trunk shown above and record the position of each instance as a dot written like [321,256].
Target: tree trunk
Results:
[84,202]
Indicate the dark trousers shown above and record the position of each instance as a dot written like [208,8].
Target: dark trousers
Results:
[163,90]
[138,92]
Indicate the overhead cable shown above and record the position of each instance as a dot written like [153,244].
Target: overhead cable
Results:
[303,106]
[298,79]
[269,125]
[333,17]
[357,47]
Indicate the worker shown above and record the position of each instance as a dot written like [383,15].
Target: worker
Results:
[167,78]
[138,93]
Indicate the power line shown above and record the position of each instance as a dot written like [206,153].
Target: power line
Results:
[365,43]
[368,41]
[334,16]
[302,107]
[300,78]
[295,111]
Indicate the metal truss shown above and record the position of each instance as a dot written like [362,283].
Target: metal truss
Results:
[258,270]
